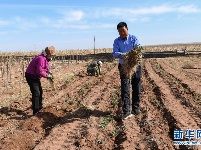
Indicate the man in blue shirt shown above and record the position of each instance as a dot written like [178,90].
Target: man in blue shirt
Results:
[123,44]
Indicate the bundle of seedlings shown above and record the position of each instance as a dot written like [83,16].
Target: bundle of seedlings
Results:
[131,61]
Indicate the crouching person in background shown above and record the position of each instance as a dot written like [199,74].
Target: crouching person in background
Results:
[38,68]
[94,68]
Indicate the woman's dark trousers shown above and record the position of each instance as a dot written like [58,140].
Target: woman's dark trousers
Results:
[36,90]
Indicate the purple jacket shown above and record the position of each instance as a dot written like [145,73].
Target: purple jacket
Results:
[38,67]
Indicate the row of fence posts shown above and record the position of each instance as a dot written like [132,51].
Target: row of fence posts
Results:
[70,58]
[8,64]
[8,73]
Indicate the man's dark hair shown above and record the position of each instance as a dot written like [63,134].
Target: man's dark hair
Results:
[122,24]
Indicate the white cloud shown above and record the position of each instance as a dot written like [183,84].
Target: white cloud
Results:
[64,24]
[188,9]
[119,12]
[23,23]
[77,19]
[4,22]
[144,19]
[68,18]
[132,19]
[106,25]
[72,15]
[18,22]
[3,33]
[75,15]
[45,20]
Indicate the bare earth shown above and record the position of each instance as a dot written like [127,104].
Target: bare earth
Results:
[84,112]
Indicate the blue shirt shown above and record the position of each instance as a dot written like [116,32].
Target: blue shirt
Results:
[121,46]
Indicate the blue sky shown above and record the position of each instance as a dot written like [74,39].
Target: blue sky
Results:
[72,24]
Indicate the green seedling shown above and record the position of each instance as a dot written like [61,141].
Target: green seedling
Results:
[100,141]
[88,84]
[106,120]
[81,91]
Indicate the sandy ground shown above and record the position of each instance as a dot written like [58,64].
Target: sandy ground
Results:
[84,112]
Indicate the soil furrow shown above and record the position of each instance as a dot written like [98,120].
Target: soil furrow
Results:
[181,75]
[176,119]
[184,66]
[84,112]
[153,122]
[95,114]
[180,91]
[47,114]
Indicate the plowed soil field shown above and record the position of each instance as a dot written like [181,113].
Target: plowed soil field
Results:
[84,112]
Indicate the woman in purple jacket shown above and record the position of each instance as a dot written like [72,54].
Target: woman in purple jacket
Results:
[38,68]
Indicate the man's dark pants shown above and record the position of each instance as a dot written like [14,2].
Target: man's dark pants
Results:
[125,89]
[36,90]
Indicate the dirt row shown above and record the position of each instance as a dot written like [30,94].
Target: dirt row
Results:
[177,103]
[84,112]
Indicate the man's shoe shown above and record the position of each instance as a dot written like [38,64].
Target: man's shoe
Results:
[40,108]
[136,111]
[36,111]
[126,116]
